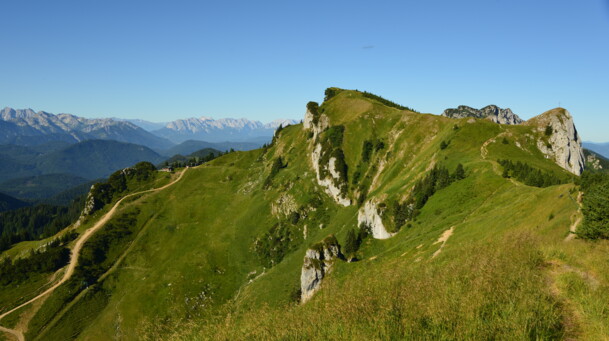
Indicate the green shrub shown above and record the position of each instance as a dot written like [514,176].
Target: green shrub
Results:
[331,92]
[596,211]
[313,107]
[529,175]
[275,168]
[367,151]
[274,244]
[385,101]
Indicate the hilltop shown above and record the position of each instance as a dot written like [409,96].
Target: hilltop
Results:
[367,221]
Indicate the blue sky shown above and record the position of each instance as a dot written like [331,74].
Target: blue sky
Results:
[265,59]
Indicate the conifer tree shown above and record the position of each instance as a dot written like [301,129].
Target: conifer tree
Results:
[351,244]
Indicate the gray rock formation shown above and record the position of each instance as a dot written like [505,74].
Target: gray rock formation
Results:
[562,143]
[91,204]
[317,123]
[490,112]
[318,262]
[594,162]
[369,216]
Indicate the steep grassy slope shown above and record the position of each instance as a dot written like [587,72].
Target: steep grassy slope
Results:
[219,254]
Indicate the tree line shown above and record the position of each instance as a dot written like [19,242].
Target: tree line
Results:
[595,206]
[528,175]
[104,192]
[36,222]
[438,178]
[179,161]
[51,258]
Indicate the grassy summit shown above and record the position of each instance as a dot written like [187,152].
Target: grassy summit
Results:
[219,254]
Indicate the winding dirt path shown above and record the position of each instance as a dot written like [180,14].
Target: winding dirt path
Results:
[17,334]
[76,251]
[575,224]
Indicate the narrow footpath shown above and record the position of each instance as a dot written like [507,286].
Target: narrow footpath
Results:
[76,253]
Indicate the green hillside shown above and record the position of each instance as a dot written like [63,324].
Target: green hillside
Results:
[41,172]
[41,186]
[93,159]
[9,203]
[470,251]
[196,155]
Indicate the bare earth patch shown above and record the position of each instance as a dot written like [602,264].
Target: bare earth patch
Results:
[443,239]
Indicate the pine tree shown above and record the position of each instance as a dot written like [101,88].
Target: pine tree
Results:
[351,244]
[460,172]
[596,212]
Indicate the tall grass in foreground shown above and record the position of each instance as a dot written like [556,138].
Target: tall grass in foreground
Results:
[496,290]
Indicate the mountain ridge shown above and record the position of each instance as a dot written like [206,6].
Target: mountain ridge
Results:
[600,148]
[490,112]
[220,130]
[27,127]
[464,238]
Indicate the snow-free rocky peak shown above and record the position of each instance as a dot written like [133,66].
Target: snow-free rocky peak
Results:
[490,112]
[563,142]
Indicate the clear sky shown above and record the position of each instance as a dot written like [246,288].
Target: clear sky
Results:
[264,60]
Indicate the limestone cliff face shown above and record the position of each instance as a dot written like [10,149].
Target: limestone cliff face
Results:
[561,141]
[369,216]
[315,121]
[91,205]
[331,183]
[318,262]
[326,173]
[490,112]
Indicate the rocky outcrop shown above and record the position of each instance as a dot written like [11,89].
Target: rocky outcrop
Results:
[593,161]
[329,183]
[318,262]
[369,216]
[560,140]
[91,204]
[490,112]
[315,121]
[327,174]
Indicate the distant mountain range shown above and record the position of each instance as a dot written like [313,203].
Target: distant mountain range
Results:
[26,127]
[210,130]
[600,148]
[43,154]
[190,146]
